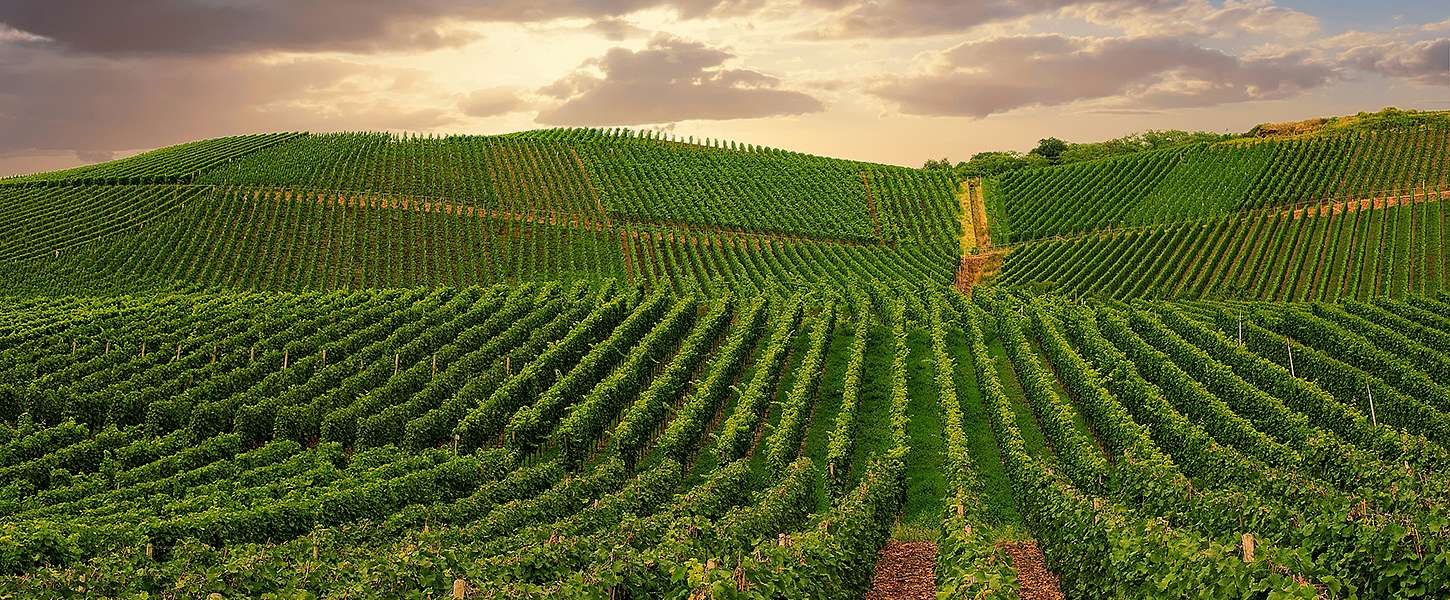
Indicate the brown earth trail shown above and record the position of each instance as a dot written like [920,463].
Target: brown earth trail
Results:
[904,571]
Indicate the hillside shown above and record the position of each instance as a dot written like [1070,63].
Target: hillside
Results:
[1347,213]
[606,364]
[302,212]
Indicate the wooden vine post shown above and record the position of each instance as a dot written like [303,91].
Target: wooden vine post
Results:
[460,588]
[1370,393]
[1248,547]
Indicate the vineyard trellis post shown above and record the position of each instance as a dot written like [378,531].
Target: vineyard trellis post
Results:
[1373,421]
[1290,348]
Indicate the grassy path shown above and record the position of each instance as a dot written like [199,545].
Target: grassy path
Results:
[982,443]
[926,461]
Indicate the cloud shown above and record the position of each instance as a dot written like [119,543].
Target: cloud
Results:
[94,106]
[491,102]
[1204,18]
[1425,62]
[976,79]
[219,26]
[1199,18]
[615,30]
[903,18]
[669,80]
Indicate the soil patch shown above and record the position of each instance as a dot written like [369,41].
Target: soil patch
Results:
[905,571]
[1037,582]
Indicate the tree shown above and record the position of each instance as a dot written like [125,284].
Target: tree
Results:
[1050,148]
[992,164]
[937,165]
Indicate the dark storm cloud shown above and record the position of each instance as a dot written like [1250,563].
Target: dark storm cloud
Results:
[976,79]
[670,80]
[93,107]
[221,26]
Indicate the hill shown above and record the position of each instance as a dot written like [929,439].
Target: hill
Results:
[605,364]
[300,212]
[1314,217]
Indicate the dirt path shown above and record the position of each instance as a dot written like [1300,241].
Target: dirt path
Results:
[976,267]
[978,204]
[1037,582]
[1374,202]
[905,571]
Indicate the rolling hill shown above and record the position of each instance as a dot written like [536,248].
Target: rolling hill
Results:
[608,364]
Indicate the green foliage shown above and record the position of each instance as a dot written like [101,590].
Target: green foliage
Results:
[614,418]
[1050,149]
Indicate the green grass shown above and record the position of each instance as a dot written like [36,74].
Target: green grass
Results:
[926,486]
[828,403]
[1026,421]
[981,442]
[873,433]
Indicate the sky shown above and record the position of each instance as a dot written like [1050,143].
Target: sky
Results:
[892,81]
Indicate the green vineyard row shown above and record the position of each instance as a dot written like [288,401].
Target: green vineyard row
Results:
[1210,180]
[586,440]
[1318,253]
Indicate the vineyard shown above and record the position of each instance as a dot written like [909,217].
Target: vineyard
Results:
[1204,181]
[612,364]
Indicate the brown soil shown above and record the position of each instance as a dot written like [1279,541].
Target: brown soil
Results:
[1376,202]
[976,267]
[624,248]
[1037,582]
[905,571]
